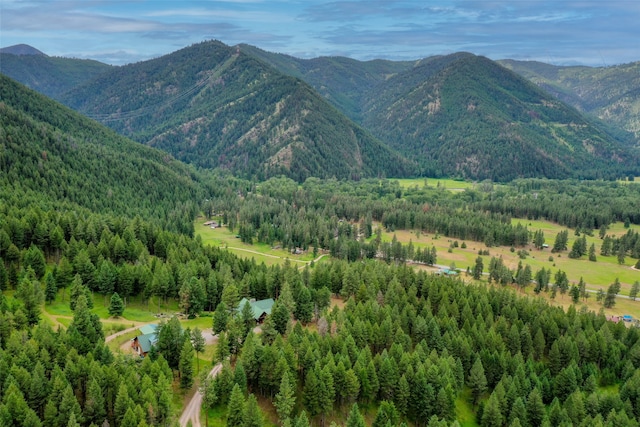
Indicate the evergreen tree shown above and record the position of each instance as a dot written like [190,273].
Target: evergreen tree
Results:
[51,290]
[491,415]
[85,330]
[280,317]
[185,365]
[633,292]
[477,268]
[198,342]
[31,294]
[94,407]
[286,398]
[612,293]
[252,414]
[538,239]
[560,244]
[355,418]
[592,253]
[116,305]
[170,341]
[605,249]
[477,381]
[535,408]
[220,318]
[236,408]
[574,292]
[386,415]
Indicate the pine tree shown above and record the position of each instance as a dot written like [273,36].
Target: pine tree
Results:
[51,290]
[186,365]
[492,416]
[286,398]
[477,268]
[386,415]
[236,408]
[252,414]
[355,418]
[592,253]
[612,293]
[477,381]
[535,408]
[31,294]
[222,349]
[94,407]
[85,330]
[198,342]
[633,292]
[116,305]
[220,318]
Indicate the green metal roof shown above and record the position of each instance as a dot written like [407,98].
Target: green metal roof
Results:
[257,307]
[146,342]
[148,329]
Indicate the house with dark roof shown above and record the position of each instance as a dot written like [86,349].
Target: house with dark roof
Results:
[260,309]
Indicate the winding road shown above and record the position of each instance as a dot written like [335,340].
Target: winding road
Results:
[191,412]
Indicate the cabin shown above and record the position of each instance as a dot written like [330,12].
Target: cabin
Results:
[212,224]
[260,309]
[142,343]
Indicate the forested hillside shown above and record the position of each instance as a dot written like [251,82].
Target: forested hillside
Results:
[216,107]
[473,118]
[345,82]
[54,155]
[51,76]
[610,93]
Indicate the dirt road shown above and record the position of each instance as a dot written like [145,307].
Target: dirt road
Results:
[192,411]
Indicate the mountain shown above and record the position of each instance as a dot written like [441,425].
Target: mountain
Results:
[214,106]
[51,76]
[55,155]
[465,115]
[21,49]
[610,93]
[342,81]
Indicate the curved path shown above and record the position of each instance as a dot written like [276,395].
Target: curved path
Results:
[191,412]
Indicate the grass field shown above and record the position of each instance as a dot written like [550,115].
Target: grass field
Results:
[448,184]
[597,275]
[261,252]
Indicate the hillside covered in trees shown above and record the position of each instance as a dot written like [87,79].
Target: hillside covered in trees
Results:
[610,93]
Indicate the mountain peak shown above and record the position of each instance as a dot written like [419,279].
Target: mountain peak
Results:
[21,49]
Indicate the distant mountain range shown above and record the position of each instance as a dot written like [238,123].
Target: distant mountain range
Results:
[260,114]
[610,93]
[51,76]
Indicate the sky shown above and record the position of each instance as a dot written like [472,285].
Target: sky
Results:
[561,32]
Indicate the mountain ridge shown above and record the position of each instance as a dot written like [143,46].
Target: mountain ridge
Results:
[214,106]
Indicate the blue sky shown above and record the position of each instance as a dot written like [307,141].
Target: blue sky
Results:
[562,32]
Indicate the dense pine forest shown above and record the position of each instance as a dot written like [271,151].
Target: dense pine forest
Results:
[362,337]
